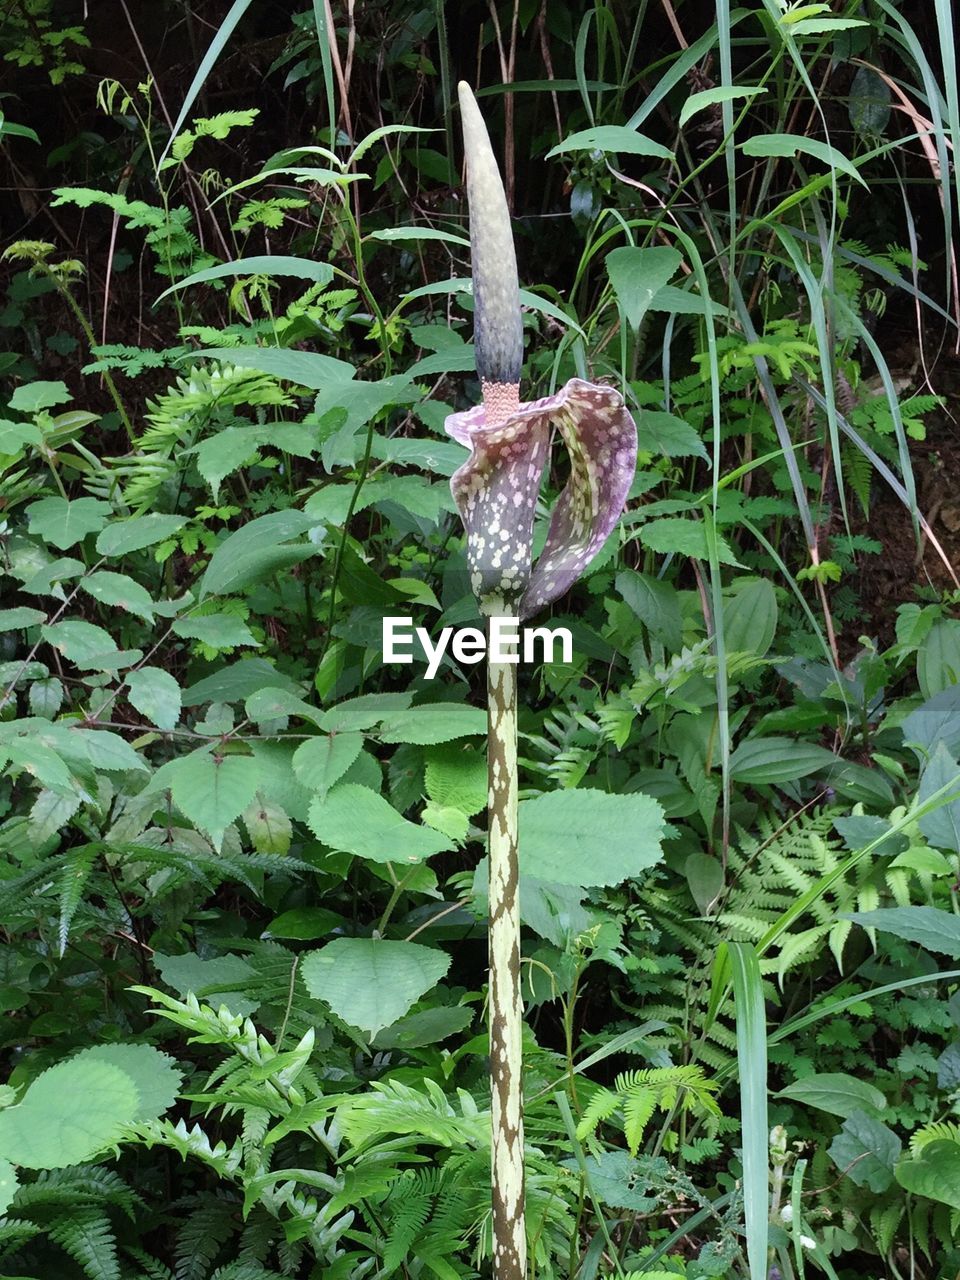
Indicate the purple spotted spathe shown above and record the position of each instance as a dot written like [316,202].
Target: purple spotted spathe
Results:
[496,492]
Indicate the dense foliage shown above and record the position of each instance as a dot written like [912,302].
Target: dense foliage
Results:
[241,859]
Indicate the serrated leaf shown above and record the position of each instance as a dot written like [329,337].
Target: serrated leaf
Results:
[154,1073]
[263,545]
[277,704]
[436,722]
[928,927]
[222,454]
[121,591]
[46,697]
[8,1185]
[65,523]
[15,619]
[447,820]
[89,647]
[156,695]
[354,819]
[364,712]
[34,396]
[667,434]
[675,536]
[589,837]
[68,1114]
[216,630]
[457,778]
[75,873]
[268,826]
[372,982]
[213,791]
[933,1172]
[121,537]
[320,762]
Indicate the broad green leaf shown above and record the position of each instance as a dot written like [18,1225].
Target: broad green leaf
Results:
[220,455]
[303,924]
[15,619]
[268,826]
[103,750]
[65,523]
[263,545]
[789,145]
[865,1151]
[942,825]
[237,681]
[305,368]
[392,234]
[656,604]
[124,536]
[433,723]
[611,137]
[637,275]
[263,264]
[320,762]
[364,712]
[278,704]
[938,658]
[938,720]
[212,981]
[929,927]
[589,837]
[707,98]
[14,435]
[119,590]
[156,695]
[759,761]
[354,819]
[675,536]
[664,433]
[34,396]
[836,1092]
[705,878]
[68,1114]
[750,616]
[46,697]
[429,1026]
[933,1172]
[371,982]
[216,630]
[89,647]
[38,760]
[155,1074]
[456,777]
[869,103]
[213,792]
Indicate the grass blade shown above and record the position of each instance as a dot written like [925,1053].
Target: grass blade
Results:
[752,1059]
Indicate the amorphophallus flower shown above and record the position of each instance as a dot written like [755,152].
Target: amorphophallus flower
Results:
[496,492]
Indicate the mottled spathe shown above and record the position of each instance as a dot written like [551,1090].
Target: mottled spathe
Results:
[496,490]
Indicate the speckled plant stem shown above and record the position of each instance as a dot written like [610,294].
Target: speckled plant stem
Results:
[506,1007]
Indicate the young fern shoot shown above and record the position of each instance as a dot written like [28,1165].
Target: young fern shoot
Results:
[496,493]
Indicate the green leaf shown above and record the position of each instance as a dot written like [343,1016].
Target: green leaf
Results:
[303,924]
[611,137]
[212,792]
[263,264]
[456,778]
[34,396]
[707,98]
[155,1074]
[364,712]
[65,523]
[428,1026]
[216,630]
[705,878]
[433,723]
[837,1093]
[305,368]
[669,435]
[637,275]
[123,536]
[933,1172]
[371,982]
[589,837]
[268,826]
[68,1114]
[942,825]
[89,647]
[675,536]
[354,819]
[929,927]
[750,616]
[156,695]
[656,604]
[792,144]
[221,455]
[865,1150]
[869,103]
[209,980]
[278,704]
[120,591]
[938,658]
[938,720]
[322,761]
[237,681]
[752,1070]
[15,619]
[758,761]
[263,546]
[38,760]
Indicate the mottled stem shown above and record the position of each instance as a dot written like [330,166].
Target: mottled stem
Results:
[506,1006]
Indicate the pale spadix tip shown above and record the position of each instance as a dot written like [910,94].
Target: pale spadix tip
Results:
[498,328]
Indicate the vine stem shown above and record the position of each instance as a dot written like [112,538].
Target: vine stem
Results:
[506,1006]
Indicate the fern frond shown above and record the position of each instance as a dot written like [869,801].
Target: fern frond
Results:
[87,1236]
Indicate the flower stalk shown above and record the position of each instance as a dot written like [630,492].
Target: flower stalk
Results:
[496,492]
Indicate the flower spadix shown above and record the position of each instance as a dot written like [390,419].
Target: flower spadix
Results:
[496,489]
